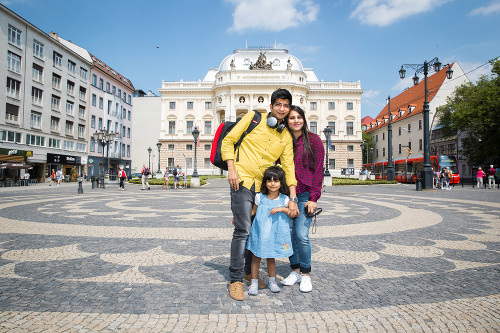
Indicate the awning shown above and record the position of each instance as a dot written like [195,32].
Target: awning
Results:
[15,166]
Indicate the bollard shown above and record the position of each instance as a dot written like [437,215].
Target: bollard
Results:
[80,187]
[419,184]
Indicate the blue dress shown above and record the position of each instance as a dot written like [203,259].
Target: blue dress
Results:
[270,234]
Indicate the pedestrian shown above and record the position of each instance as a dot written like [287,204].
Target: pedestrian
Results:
[59,176]
[52,177]
[185,178]
[479,177]
[177,177]
[270,233]
[309,154]
[166,178]
[123,176]
[491,176]
[145,176]
[267,142]
[449,177]
[437,177]
[26,178]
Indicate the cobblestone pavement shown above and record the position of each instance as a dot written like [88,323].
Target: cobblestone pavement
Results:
[386,258]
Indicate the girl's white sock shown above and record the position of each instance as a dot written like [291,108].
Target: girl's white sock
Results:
[255,282]
[272,279]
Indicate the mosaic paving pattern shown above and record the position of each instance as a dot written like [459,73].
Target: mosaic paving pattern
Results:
[385,258]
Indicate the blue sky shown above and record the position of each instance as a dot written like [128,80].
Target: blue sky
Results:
[367,40]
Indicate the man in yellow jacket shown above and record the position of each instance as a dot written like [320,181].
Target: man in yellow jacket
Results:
[266,143]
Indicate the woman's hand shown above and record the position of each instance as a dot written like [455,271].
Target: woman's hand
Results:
[311,207]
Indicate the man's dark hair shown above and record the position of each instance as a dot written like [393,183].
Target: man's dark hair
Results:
[282,94]
[276,173]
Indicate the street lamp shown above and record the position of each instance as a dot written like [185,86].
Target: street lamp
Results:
[390,168]
[158,144]
[149,164]
[328,133]
[195,133]
[103,137]
[426,175]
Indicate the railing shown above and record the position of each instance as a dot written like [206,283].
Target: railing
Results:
[36,100]
[11,117]
[13,93]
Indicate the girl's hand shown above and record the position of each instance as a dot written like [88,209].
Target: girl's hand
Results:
[232,221]
[311,207]
[275,210]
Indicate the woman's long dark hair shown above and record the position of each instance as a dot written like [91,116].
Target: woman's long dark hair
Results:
[308,158]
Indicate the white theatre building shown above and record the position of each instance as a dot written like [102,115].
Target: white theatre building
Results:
[244,81]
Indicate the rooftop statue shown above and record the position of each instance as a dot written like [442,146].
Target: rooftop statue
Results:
[261,63]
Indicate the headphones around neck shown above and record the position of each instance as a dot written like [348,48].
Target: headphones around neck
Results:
[273,123]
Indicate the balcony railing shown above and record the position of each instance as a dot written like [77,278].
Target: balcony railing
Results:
[13,93]
[11,117]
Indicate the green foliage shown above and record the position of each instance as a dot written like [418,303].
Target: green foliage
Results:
[368,140]
[474,112]
[161,181]
[354,181]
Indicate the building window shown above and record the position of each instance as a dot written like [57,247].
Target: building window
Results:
[13,88]
[36,96]
[376,153]
[171,105]
[81,147]
[99,124]
[409,145]
[71,67]
[332,147]
[399,130]
[55,103]
[57,60]
[189,147]
[101,103]
[83,73]
[82,94]
[129,115]
[376,138]
[128,150]
[37,49]
[14,36]
[350,163]
[208,127]
[349,106]
[171,127]
[81,131]
[349,128]
[92,121]
[313,127]
[70,106]
[331,105]
[206,163]
[68,145]
[171,146]
[189,163]
[54,124]
[399,147]
[350,148]
[10,136]
[94,80]
[54,143]
[119,93]
[208,147]
[409,128]
[208,105]
[110,105]
[331,125]
[190,105]
[128,132]
[331,163]
[81,112]
[37,73]
[70,88]
[314,106]
[420,124]
[35,140]
[36,120]
[101,84]
[419,144]
[108,86]
[113,91]
[56,81]
[189,126]
[69,128]
[383,151]
[13,62]
[94,100]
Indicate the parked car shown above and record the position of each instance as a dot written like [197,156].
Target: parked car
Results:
[137,175]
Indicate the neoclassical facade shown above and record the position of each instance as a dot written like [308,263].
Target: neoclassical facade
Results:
[244,81]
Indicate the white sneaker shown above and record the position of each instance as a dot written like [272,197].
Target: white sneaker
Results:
[292,278]
[305,284]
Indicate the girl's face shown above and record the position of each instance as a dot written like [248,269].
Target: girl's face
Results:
[295,121]
[273,185]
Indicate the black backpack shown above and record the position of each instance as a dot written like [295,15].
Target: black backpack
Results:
[147,172]
[220,134]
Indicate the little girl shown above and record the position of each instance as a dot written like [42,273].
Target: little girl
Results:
[166,177]
[270,234]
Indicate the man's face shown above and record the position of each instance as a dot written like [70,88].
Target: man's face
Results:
[280,109]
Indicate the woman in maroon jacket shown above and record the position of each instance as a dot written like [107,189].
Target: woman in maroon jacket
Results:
[309,154]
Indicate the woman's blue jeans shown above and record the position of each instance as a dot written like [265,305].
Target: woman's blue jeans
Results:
[299,230]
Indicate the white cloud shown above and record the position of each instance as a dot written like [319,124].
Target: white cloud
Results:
[297,47]
[371,93]
[474,70]
[386,12]
[492,8]
[272,15]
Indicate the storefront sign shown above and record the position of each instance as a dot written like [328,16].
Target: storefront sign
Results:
[63,159]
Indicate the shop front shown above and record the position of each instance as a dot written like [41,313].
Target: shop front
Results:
[14,163]
[71,166]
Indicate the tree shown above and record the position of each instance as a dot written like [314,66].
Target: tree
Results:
[368,141]
[474,112]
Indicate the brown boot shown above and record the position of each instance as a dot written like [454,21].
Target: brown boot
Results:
[236,291]
[262,285]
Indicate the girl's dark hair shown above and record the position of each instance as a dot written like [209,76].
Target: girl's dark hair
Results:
[308,158]
[276,173]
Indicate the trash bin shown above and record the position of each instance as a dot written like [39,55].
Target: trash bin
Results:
[418,183]
[80,187]
[67,178]
[93,181]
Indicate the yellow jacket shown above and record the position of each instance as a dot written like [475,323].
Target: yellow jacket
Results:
[259,149]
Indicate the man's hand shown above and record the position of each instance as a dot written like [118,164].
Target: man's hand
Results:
[232,175]
[293,209]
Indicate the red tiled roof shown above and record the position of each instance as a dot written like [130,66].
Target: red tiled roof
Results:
[412,97]
[366,121]
[111,72]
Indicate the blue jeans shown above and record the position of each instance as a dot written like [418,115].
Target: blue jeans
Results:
[299,230]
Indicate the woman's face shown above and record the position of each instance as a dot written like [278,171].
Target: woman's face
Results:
[295,121]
